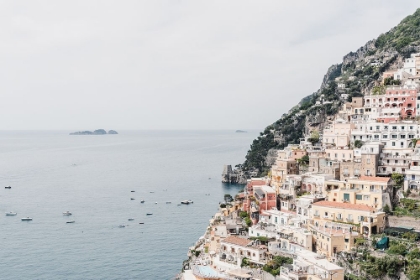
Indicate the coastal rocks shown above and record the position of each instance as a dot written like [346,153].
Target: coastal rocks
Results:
[96,132]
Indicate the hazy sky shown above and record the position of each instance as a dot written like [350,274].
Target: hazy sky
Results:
[174,64]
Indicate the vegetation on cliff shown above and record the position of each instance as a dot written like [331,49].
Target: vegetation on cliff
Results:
[359,73]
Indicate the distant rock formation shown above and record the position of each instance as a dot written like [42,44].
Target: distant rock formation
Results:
[96,132]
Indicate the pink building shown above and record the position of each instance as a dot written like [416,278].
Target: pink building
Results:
[397,102]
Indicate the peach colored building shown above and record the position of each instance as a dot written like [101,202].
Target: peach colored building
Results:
[337,134]
[363,218]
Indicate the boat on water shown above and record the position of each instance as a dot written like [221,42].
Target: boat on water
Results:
[11,213]
[121,226]
[149,214]
[156,202]
[8,187]
[142,201]
[70,222]
[67,213]
[186,201]
[141,223]
[131,219]
[132,198]
[168,202]
[152,192]
[26,219]
[133,191]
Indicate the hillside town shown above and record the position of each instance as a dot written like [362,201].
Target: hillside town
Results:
[328,199]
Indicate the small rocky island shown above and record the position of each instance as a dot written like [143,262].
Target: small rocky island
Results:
[96,132]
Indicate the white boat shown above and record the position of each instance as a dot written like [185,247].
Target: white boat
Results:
[67,213]
[11,214]
[26,219]
[70,222]
[8,187]
[142,201]
[155,202]
[190,201]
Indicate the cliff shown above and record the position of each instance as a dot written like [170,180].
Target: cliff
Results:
[358,73]
[96,132]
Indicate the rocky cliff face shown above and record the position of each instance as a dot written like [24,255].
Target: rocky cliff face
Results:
[358,74]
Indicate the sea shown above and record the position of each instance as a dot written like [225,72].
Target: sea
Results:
[95,177]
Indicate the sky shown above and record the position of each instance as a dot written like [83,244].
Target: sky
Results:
[140,65]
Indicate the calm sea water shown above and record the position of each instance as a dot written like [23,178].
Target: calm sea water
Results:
[93,176]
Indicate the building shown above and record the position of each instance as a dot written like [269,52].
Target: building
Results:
[412,174]
[367,219]
[234,249]
[311,266]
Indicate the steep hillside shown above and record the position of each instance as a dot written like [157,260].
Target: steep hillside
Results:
[359,73]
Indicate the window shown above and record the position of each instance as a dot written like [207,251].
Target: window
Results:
[385,127]
[394,127]
[384,136]
[346,197]
[368,160]
[358,197]
[402,127]
[402,136]
[394,136]
[410,136]
[393,144]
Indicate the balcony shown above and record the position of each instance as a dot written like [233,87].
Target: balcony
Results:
[316,215]
[339,218]
[350,220]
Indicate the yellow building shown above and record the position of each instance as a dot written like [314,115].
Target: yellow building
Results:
[363,218]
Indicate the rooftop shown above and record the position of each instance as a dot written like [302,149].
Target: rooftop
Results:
[342,205]
[236,240]
[376,179]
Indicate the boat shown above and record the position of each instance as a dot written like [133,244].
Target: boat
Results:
[142,201]
[156,202]
[121,226]
[149,214]
[186,201]
[11,214]
[132,198]
[168,202]
[70,222]
[133,191]
[8,187]
[67,213]
[141,223]
[26,219]
[131,219]
[152,192]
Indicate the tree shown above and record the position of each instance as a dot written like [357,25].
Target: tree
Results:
[228,198]
[386,209]
[398,249]
[398,179]
[303,160]
[358,144]
[314,137]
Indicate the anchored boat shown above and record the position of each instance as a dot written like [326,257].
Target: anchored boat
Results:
[26,219]
[11,214]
